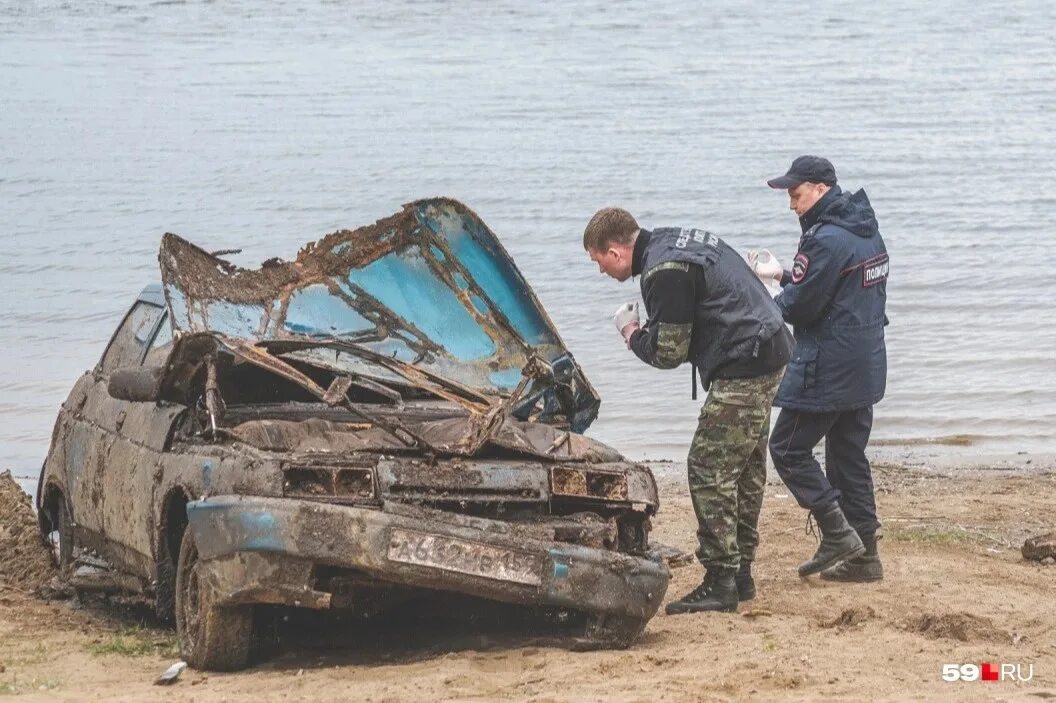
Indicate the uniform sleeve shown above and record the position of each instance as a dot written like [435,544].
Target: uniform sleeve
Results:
[670,292]
[812,282]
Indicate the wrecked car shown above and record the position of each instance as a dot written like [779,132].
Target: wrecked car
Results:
[391,413]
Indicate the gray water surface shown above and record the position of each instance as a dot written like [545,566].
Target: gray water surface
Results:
[263,125]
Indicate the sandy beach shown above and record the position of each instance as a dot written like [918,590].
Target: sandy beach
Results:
[957,591]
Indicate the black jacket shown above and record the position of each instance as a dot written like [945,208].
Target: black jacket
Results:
[705,306]
[834,297]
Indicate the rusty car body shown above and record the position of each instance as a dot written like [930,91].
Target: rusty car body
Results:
[392,411]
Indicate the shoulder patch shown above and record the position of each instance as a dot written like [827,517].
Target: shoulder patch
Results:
[667,266]
[875,270]
[800,264]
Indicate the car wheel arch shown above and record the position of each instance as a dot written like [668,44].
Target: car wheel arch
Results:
[171,524]
[53,500]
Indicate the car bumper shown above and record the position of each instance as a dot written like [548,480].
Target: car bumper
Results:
[264,550]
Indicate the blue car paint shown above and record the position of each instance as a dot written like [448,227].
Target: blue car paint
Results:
[250,531]
[561,563]
[404,283]
[431,287]
[316,312]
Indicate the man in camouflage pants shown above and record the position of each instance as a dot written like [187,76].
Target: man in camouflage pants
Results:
[705,306]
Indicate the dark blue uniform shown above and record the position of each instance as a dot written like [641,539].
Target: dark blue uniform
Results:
[834,297]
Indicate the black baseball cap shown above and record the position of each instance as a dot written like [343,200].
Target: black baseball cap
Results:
[806,169]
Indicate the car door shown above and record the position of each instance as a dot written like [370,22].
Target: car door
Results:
[97,448]
[90,420]
[130,476]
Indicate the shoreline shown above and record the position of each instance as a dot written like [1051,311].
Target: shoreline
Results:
[956,590]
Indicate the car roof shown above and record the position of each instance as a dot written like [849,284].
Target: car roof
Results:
[153,294]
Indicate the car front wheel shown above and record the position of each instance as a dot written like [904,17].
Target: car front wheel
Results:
[610,632]
[212,637]
[60,539]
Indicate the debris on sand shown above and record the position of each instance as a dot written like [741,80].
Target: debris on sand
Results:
[25,563]
[851,617]
[963,627]
[757,613]
[674,558]
[171,674]
[1040,547]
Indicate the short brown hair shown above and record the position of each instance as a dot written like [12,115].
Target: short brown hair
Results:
[608,226]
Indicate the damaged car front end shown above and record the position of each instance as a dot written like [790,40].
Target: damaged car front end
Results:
[391,412]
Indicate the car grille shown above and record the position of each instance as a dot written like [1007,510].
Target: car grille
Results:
[329,483]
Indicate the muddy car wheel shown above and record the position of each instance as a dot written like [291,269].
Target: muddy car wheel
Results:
[212,637]
[610,632]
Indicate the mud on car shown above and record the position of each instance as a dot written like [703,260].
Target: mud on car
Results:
[393,412]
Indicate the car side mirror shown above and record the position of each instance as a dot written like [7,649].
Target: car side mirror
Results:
[139,384]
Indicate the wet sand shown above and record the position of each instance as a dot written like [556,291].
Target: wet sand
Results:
[956,591]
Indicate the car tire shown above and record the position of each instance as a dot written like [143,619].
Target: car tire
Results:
[165,591]
[62,540]
[605,631]
[212,637]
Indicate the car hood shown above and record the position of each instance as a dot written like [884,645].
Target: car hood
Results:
[425,297]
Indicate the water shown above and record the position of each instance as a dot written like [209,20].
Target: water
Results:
[263,125]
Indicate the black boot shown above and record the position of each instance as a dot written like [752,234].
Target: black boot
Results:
[861,569]
[718,592]
[745,582]
[839,541]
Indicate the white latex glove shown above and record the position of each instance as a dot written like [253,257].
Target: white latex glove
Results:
[626,319]
[765,265]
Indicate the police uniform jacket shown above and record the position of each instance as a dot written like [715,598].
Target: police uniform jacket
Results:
[834,297]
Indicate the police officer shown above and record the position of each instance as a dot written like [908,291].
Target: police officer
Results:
[834,296]
[705,307]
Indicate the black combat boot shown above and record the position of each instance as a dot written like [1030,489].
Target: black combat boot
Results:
[861,569]
[745,582]
[718,592]
[839,541]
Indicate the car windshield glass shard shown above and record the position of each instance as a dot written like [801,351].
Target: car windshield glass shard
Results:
[429,288]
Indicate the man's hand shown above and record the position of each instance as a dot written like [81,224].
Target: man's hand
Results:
[765,265]
[627,320]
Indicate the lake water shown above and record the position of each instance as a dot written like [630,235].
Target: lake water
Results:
[263,125]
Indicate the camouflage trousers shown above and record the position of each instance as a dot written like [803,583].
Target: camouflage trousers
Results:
[727,468]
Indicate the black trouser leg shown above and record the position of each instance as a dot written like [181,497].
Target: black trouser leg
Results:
[848,469]
[792,448]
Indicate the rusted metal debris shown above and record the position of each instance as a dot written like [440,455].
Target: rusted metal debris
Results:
[436,252]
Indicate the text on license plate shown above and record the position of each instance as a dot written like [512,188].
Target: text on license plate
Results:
[463,556]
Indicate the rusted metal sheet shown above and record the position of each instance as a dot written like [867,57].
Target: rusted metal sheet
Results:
[430,289]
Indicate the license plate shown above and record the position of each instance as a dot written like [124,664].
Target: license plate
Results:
[464,557]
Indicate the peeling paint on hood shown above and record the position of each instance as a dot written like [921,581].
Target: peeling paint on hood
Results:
[427,296]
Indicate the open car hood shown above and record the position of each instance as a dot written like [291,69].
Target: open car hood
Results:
[196,360]
[425,298]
